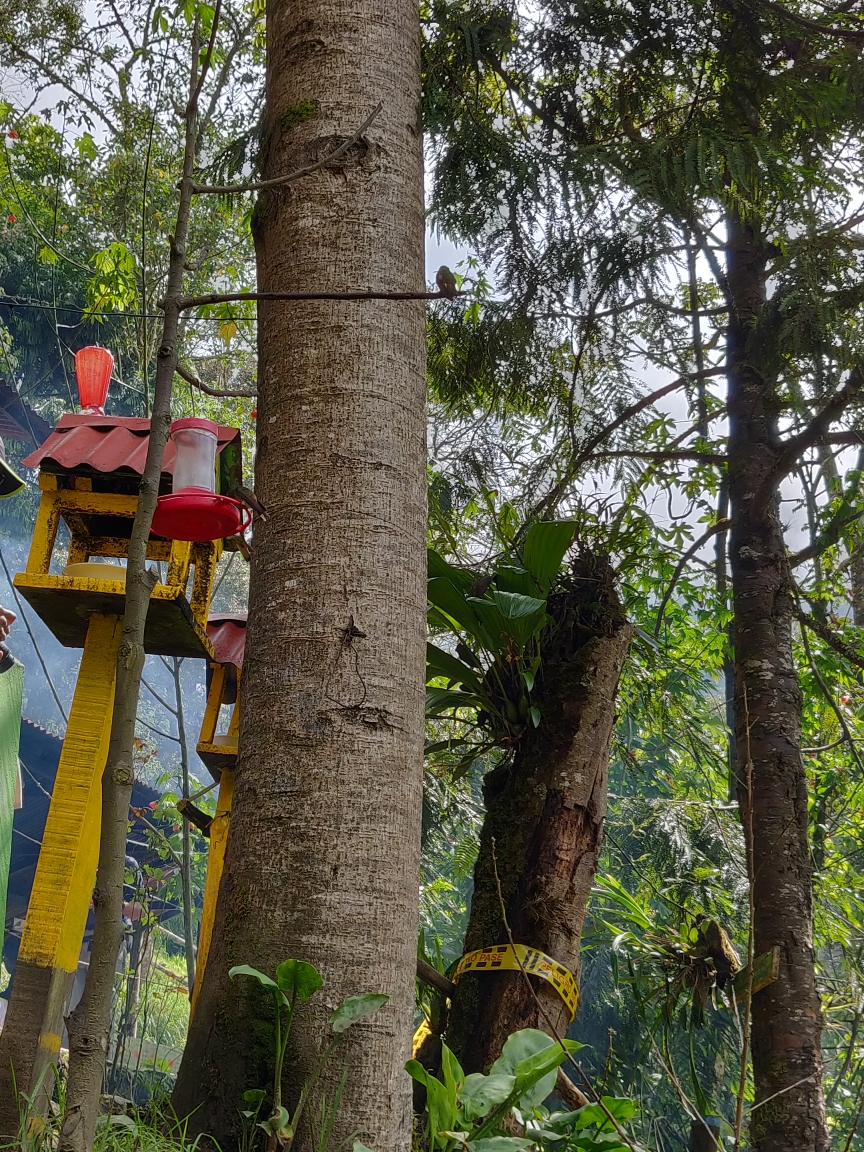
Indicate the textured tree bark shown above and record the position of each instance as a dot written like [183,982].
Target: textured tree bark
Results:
[786,1017]
[544,813]
[323,851]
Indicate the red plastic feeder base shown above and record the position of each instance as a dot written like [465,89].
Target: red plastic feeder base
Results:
[199,516]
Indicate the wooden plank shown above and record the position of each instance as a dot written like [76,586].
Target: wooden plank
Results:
[215,864]
[66,604]
[766,969]
[63,884]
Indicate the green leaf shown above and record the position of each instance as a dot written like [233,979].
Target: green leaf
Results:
[441,1113]
[359,1146]
[508,616]
[534,713]
[254,1095]
[532,1057]
[356,1008]
[298,978]
[544,548]
[437,567]
[248,970]
[441,663]
[454,606]
[480,1094]
[439,700]
[510,579]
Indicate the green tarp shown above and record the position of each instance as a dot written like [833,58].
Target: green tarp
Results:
[11,692]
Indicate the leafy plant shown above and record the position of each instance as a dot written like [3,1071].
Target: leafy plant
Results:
[298,981]
[471,1111]
[497,621]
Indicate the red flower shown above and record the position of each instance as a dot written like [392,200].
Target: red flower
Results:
[254,413]
[13,135]
[11,218]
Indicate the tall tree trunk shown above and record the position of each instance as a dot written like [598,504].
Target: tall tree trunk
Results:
[786,1018]
[544,820]
[323,851]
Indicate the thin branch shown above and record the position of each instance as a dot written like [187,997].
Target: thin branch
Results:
[190,378]
[813,25]
[685,454]
[815,431]
[829,699]
[192,107]
[258,185]
[158,731]
[832,640]
[828,536]
[185,303]
[156,696]
[719,526]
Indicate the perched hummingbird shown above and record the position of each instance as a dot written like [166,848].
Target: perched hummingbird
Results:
[446,282]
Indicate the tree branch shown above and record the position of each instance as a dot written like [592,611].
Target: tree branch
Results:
[196,383]
[813,25]
[815,431]
[830,638]
[719,526]
[188,302]
[258,185]
[628,454]
[828,536]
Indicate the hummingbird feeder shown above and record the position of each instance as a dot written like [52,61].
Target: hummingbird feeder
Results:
[93,368]
[194,510]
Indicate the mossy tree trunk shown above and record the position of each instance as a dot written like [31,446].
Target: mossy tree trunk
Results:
[544,820]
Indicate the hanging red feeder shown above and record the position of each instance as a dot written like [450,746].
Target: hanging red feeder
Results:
[194,510]
[93,368]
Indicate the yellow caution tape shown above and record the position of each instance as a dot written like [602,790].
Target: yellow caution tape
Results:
[533,961]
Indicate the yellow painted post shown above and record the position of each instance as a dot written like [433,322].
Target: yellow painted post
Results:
[215,864]
[63,884]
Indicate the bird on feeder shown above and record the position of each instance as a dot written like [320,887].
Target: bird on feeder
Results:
[446,282]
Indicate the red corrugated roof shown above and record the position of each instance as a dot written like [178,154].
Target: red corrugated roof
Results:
[227,634]
[107,444]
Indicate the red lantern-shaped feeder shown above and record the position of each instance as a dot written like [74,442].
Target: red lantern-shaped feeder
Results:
[93,368]
[194,510]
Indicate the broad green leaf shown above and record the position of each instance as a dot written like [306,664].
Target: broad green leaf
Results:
[298,978]
[255,1095]
[532,1057]
[520,580]
[451,1070]
[356,1008]
[544,548]
[248,970]
[441,663]
[508,616]
[437,567]
[534,713]
[359,1146]
[441,1113]
[454,605]
[480,1094]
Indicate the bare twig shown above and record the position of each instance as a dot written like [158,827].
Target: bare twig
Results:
[188,302]
[190,378]
[258,185]
[719,526]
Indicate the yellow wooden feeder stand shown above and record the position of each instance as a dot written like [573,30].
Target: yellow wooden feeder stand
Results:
[219,752]
[89,472]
